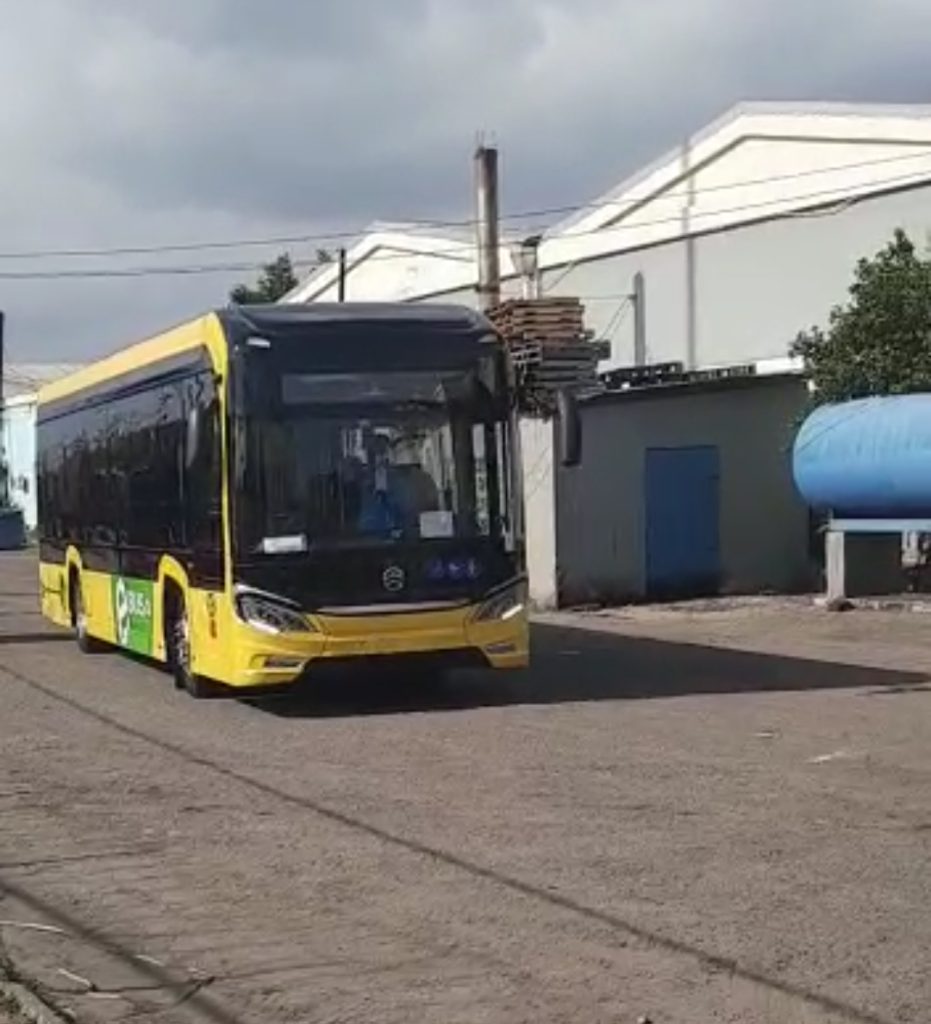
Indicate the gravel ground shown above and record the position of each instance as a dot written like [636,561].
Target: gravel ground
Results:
[7,1015]
[715,818]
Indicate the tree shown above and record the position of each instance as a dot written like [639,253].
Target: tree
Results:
[276,280]
[879,343]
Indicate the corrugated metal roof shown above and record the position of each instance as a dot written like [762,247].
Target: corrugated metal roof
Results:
[26,378]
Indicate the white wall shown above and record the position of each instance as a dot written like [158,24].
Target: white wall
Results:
[537,448]
[19,446]
[604,286]
[756,286]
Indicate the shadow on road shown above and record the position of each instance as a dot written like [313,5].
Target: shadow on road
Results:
[579,665]
[34,638]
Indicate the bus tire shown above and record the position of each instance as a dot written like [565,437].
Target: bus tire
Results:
[178,648]
[86,643]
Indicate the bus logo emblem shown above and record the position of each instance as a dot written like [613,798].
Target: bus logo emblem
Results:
[132,607]
[393,579]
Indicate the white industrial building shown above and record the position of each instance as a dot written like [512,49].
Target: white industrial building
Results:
[21,381]
[732,243]
[745,234]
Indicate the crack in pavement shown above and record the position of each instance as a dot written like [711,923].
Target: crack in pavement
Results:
[161,979]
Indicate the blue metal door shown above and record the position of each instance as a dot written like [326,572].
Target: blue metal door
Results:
[682,507]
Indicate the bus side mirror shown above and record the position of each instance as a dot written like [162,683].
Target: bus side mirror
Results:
[570,428]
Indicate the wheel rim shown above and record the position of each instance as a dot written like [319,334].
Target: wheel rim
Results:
[181,641]
[80,616]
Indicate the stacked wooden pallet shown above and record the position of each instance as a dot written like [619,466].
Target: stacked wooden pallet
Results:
[550,349]
[553,320]
[568,364]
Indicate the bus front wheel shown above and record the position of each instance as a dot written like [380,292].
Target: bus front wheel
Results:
[178,648]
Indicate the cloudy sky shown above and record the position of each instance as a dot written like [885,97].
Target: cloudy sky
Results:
[148,122]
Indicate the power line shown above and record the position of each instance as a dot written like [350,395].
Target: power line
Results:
[148,250]
[551,286]
[843,200]
[620,314]
[323,238]
[698,214]
[167,271]
[726,185]
[457,250]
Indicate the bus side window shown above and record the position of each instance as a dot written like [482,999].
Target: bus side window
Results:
[202,474]
[146,431]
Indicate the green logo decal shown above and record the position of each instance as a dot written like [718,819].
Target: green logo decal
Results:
[132,607]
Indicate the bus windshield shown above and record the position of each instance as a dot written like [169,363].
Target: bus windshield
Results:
[373,459]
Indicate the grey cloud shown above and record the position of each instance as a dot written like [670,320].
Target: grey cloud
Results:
[305,30]
[260,130]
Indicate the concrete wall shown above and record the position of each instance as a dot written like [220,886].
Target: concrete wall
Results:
[537,448]
[19,446]
[764,527]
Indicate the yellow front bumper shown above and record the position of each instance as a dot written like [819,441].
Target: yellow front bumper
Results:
[255,658]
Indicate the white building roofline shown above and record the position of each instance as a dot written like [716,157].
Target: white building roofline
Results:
[839,122]
[451,259]
[27,378]
[384,240]
[21,400]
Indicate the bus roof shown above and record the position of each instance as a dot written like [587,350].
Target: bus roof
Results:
[433,316]
[449,321]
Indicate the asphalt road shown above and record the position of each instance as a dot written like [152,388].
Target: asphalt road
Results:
[649,822]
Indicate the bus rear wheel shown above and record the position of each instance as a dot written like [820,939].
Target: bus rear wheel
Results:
[86,643]
[178,648]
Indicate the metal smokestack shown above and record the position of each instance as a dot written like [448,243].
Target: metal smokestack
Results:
[486,193]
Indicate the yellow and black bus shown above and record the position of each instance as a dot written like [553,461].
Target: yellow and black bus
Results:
[270,487]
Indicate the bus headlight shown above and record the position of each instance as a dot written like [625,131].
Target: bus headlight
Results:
[265,613]
[506,604]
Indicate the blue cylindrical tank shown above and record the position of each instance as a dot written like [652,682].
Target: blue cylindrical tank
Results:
[867,458]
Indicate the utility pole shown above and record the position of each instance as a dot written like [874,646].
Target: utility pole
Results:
[691,277]
[342,276]
[640,320]
[486,194]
